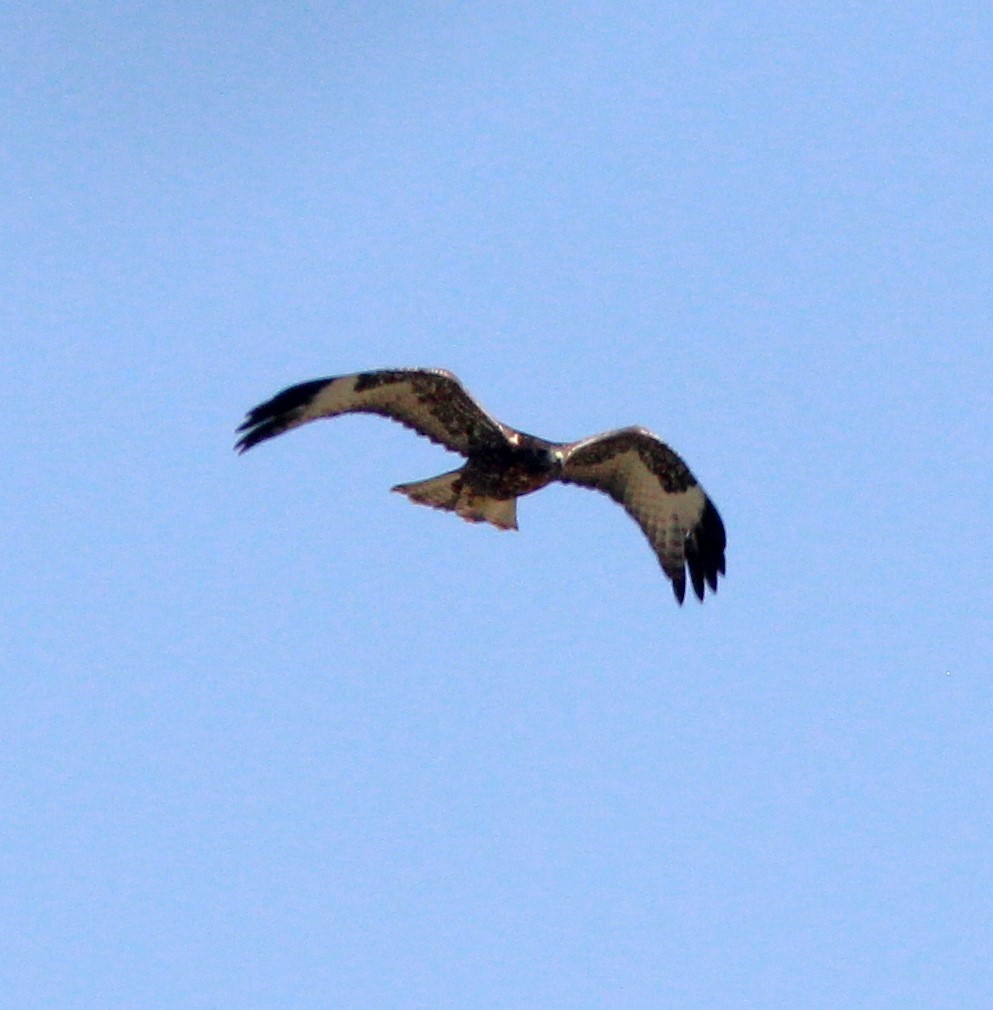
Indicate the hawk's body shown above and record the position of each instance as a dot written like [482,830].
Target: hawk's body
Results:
[632,465]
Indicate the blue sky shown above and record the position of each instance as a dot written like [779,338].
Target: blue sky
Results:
[270,736]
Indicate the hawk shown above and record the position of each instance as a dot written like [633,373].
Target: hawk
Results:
[636,468]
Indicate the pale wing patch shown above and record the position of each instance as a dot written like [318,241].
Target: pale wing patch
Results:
[663,515]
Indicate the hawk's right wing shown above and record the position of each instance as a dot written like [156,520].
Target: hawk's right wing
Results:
[430,401]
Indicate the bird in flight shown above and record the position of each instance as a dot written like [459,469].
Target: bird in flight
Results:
[636,468]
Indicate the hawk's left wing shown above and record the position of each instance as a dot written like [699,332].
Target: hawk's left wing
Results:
[639,471]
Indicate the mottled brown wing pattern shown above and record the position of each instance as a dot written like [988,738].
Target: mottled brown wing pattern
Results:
[431,402]
[640,472]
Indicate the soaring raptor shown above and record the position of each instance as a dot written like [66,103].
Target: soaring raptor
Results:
[636,468]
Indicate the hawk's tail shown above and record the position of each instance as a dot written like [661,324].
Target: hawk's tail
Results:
[449,491]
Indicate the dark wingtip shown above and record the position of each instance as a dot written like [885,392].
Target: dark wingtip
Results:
[256,432]
[246,442]
[705,550]
[274,416]
[697,573]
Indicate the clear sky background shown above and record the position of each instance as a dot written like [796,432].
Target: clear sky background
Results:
[271,736]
